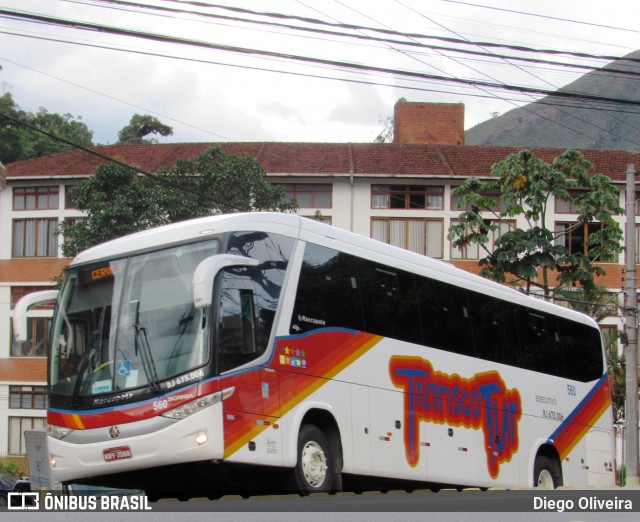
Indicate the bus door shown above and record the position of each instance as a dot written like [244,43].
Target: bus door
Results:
[243,331]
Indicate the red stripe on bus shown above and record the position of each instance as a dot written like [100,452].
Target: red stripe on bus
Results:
[582,419]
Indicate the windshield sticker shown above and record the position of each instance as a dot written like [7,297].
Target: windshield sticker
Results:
[132,379]
[101,387]
[123,368]
[481,402]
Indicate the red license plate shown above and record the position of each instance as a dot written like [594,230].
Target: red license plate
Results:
[119,453]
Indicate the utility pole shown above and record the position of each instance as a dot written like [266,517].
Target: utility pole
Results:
[631,329]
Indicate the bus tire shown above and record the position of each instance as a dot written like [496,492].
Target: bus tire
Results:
[545,473]
[314,468]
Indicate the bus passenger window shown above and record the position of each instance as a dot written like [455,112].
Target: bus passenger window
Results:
[389,299]
[445,317]
[328,294]
[494,333]
[540,342]
[582,351]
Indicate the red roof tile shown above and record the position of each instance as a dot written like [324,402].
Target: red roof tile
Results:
[316,158]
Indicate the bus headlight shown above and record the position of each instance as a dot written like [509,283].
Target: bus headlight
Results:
[192,407]
[58,432]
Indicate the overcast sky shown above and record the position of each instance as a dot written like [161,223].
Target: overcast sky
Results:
[209,94]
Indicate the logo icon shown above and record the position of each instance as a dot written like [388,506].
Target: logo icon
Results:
[23,501]
[114,432]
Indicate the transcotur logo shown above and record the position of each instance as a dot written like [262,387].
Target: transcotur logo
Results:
[35,501]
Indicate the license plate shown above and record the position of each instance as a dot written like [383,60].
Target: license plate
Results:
[119,453]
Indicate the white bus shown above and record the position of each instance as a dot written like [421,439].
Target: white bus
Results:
[217,349]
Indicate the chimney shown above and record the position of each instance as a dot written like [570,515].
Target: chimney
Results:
[428,123]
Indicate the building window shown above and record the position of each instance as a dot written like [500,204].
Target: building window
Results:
[35,198]
[37,338]
[35,238]
[17,427]
[69,203]
[495,196]
[575,237]
[407,196]
[309,195]
[424,236]
[568,207]
[28,397]
[472,250]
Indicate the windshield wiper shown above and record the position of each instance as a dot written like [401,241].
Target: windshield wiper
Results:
[94,342]
[142,343]
[178,345]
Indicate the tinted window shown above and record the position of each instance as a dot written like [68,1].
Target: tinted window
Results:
[328,293]
[390,304]
[540,341]
[249,297]
[583,353]
[494,332]
[445,316]
[341,291]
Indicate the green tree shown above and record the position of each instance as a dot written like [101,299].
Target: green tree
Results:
[18,142]
[118,201]
[595,301]
[140,126]
[386,134]
[10,146]
[526,186]
[65,126]
[616,364]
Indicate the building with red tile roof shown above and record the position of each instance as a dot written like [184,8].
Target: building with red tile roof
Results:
[397,192]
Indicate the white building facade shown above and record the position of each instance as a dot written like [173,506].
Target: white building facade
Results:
[399,193]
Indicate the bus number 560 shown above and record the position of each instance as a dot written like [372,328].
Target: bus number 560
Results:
[160,405]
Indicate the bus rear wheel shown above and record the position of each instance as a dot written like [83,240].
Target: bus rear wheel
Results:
[314,469]
[545,473]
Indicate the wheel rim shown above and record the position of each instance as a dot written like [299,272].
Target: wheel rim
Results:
[314,464]
[545,479]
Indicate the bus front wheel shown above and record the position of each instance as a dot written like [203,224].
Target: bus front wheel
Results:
[545,473]
[314,469]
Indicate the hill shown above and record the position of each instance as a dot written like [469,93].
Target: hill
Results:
[564,123]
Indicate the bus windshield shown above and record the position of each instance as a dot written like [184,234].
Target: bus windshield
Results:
[128,323]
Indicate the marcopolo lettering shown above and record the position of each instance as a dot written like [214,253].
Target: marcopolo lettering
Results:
[481,402]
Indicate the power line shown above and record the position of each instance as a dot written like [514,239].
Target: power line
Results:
[306,59]
[359,35]
[395,33]
[554,121]
[137,170]
[542,16]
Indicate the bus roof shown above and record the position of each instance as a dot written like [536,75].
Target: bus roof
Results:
[314,231]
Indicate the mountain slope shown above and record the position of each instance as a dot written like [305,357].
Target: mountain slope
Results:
[570,123]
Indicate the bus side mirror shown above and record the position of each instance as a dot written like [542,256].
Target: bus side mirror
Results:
[205,273]
[22,307]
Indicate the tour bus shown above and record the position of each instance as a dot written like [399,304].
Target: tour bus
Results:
[233,345]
